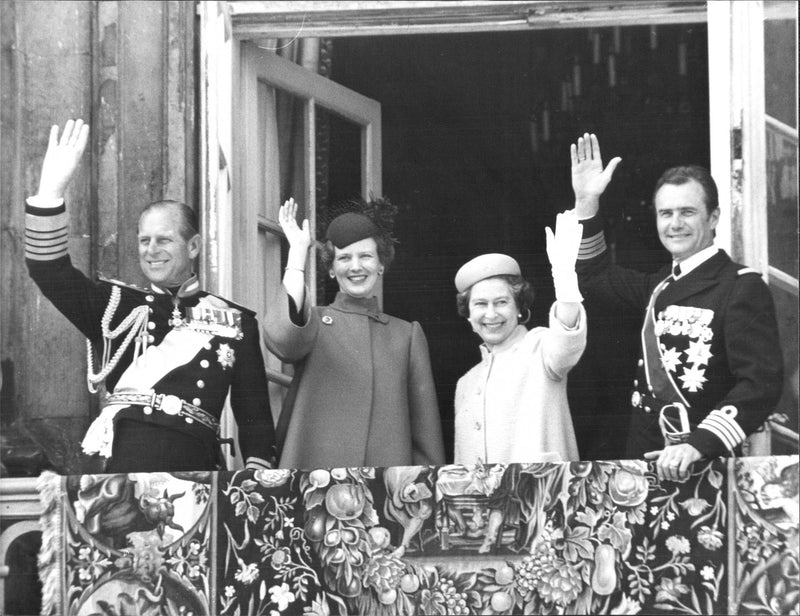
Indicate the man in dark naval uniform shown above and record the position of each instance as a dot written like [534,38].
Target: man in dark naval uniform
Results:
[711,368]
[167,355]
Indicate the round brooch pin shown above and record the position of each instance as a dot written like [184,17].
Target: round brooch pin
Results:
[328,320]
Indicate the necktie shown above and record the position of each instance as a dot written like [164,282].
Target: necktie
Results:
[676,271]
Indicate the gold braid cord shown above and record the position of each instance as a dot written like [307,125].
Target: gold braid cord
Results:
[135,324]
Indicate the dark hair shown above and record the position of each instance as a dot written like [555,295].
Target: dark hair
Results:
[188,226]
[380,211]
[521,290]
[687,173]
[327,251]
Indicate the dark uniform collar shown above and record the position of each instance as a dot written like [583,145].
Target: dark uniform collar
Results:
[368,306]
[187,289]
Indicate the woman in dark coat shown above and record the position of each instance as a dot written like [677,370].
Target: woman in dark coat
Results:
[363,392]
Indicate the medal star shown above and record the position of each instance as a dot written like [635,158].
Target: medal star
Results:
[225,356]
[670,359]
[699,353]
[693,378]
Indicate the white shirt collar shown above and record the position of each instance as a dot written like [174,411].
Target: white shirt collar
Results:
[697,259]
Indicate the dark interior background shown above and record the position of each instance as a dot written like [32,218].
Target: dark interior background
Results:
[460,162]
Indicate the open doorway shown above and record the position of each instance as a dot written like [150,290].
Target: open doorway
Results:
[476,133]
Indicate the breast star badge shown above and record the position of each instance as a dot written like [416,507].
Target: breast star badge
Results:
[225,356]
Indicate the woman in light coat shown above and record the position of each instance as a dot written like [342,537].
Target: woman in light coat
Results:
[512,406]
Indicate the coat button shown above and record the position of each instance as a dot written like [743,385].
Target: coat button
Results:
[204,363]
[151,325]
[201,383]
[189,420]
[150,339]
[148,410]
[150,298]
[196,401]
[640,363]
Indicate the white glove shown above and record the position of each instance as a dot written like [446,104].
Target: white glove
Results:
[562,251]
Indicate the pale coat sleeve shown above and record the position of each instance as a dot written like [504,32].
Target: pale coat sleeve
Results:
[426,428]
[289,341]
[562,347]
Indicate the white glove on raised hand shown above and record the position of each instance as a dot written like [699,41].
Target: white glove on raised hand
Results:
[562,251]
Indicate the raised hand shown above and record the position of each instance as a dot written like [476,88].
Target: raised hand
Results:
[589,179]
[562,251]
[297,237]
[62,158]
[563,245]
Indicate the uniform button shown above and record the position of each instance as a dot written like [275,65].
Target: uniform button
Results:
[149,298]
[647,409]
[650,388]
[196,401]
[640,363]
[151,325]
[150,338]
[635,382]
[201,383]
[148,410]
[204,363]
[207,346]
[189,420]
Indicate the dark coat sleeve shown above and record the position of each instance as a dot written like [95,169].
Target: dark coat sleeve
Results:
[755,360]
[250,398]
[426,427]
[605,283]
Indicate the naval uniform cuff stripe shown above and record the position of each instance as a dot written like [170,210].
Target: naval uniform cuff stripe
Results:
[45,212]
[45,247]
[261,463]
[722,431]
[45,257]
[728,420]
[29,232]
[44,224]
[722,425]
[44,242]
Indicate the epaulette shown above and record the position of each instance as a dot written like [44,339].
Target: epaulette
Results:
[231,304]
[747,270]
[124,285]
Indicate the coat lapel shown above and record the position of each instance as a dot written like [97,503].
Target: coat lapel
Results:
[700,279]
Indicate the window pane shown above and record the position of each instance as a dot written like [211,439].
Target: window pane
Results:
[780,103]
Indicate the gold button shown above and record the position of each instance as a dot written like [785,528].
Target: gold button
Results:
[150,339]
[149,298]
[189,420]
[204,363]
[196,401]
[201,384]
[640,363]
[151,325]
[148,410]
